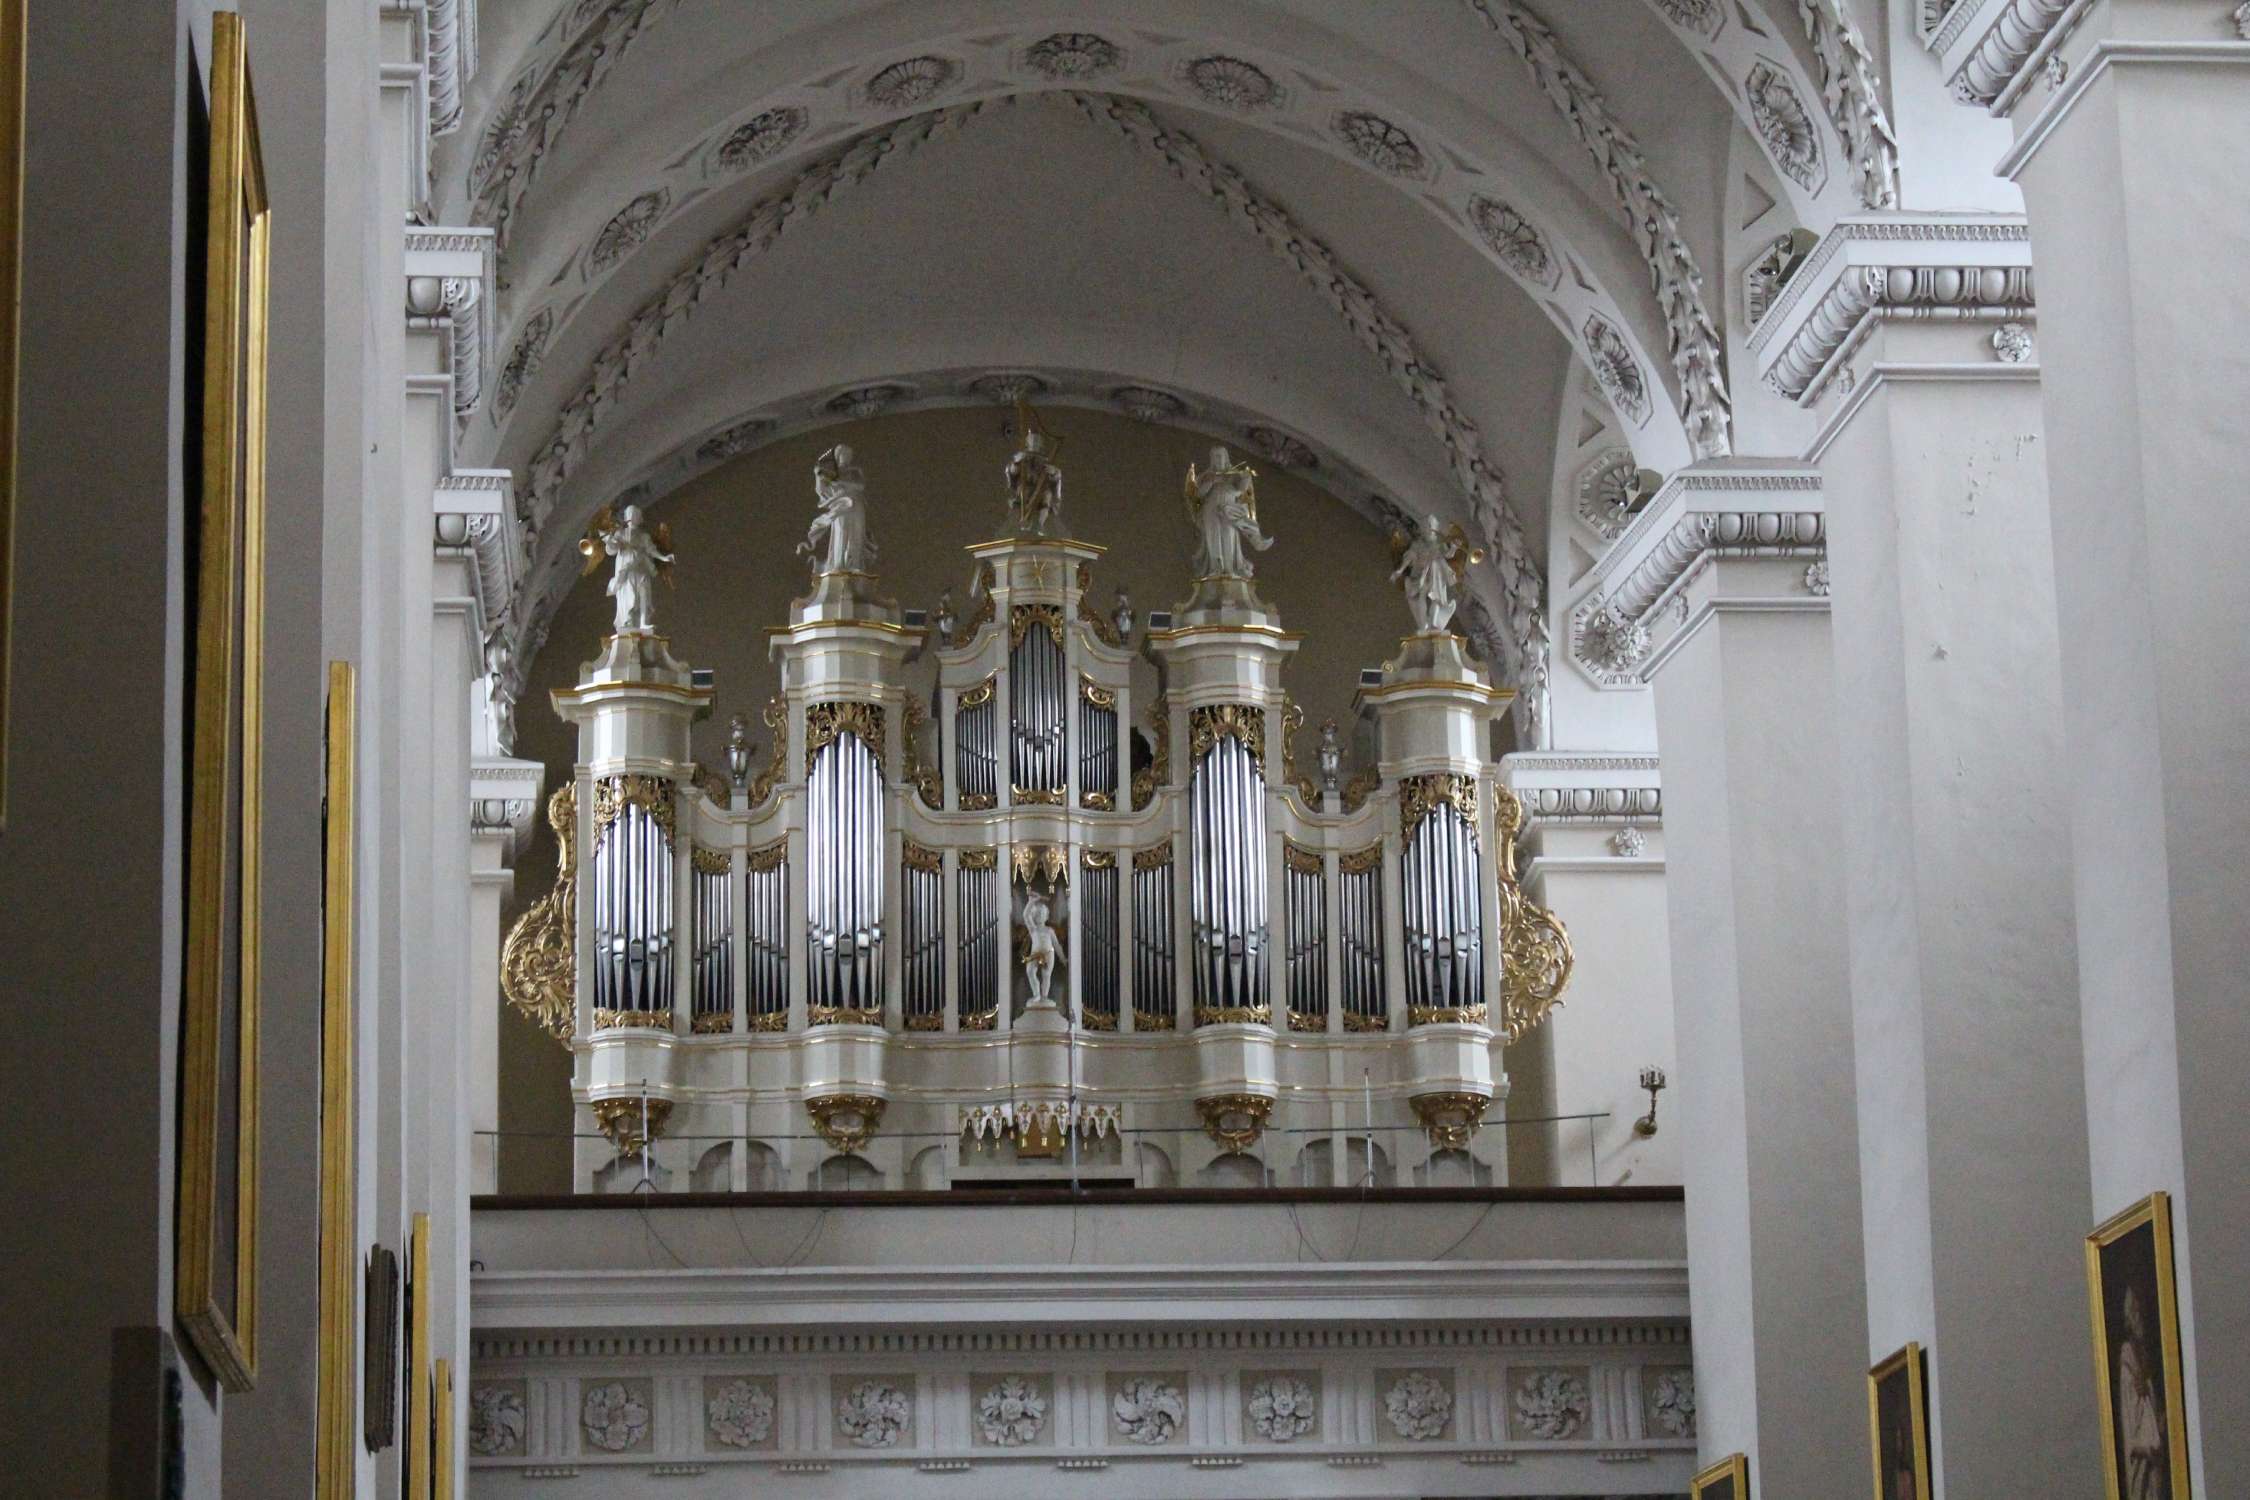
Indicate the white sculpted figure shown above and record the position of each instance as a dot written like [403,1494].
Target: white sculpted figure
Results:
[639,557]
[1432,565]
[1034,483]
[838,541]
[1224,506]
[1039,932]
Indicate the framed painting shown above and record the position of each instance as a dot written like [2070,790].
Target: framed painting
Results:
[216,1289]
[1728,1479]
[419,1431]
[12,15]
[1898,1421]
[2136,1314]
[335,1475]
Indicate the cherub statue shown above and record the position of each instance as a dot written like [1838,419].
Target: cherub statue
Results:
[837,540]
[1039,933]
[640,558]
[1331,756]
[1034,483]
[1432,565]
[1223,503]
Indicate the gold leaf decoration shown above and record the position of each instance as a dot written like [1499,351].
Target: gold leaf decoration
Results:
[762,785]
[1215,721]
[1419,796]
[1159,768]
[1292,721]
[613,794]
[1535,954]
[708,861]
[929,785]
[825,721]
[538,966]
[1023,617]
[1361,787]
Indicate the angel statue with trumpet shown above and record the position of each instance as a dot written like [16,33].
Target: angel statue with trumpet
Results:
[1432,565]
[1223,504]
[837,541]
[640,558]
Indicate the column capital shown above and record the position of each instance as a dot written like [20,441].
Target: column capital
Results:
[1635,609]
[1868,270]
[450,279]
[504,801]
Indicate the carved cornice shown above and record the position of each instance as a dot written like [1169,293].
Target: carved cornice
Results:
[2015,32]
[1866,270]
[475,511]
[449,280]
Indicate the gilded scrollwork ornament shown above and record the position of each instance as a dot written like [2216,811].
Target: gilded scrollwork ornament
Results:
[1419,796]
[538,966]
[825,721]
[1535,953]
[1213,722]
[1363,785]
[1159,768]
[929,783]
[613,794]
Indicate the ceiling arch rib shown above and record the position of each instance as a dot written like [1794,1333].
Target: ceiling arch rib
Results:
[1529,230]
[1755,71]
[1519,593]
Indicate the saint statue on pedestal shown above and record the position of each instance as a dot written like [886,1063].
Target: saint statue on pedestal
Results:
[1223,503]
[639,557]
[1039,935]
[1431,566]
[1034,483]
[838,541]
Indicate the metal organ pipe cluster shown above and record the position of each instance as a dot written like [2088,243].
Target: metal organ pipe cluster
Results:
[1038,699]
[768,922]
[1227,824]
[714,941]
[976,743]
[1307,976]
[1360,918]
[977,893]
[1442,887]
[1098,911]
[1097,746]
[632,891]
[1153,991]
[844,861]
[924,918]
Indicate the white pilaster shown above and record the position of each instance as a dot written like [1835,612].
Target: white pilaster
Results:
[1956,845]
[1714,569]
[2132,148]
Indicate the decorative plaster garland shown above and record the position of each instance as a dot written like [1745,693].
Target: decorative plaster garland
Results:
[1698,358]
[1854,92]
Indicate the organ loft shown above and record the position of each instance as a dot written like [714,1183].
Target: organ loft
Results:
[1020,890]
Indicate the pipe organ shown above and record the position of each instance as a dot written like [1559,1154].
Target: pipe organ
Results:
[949,924]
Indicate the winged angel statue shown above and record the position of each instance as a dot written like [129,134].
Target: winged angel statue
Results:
[640,558]
[1432,564]
[1223,504]
[1034,483]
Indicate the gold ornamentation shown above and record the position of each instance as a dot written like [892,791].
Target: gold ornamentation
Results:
[1301,859]
[980,695]
[1299,1021]
[1022,617]
[1097,801]
[709,861]
[1149,1020]
[825,721]
[1361,787]
[1038,796]
[1095,694]
[1535,954]
[622,1121]
[847,1015]
[1046,860]
[1234,1015]
[1155,857]
[1354,1021]
[925,1022]
[929,785]
[845,1121]
[981,1020]
[922,857]
[980,859]
[1159,768]
[983,616]
[712,785]
[712,1022]
[1094,1020]
[1098,859]
[338,1378]
[613,794]
[1292,721]
[621,1020]
[771,1020]
[539,966]
[1214,721]
[1449,1119]
[1104,630]
[1445,1015]
[1360,861]
[777,721]
[1419,796]
[768,857]
[1235,1120]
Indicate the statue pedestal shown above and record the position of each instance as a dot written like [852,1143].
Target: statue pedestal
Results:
[1434,708]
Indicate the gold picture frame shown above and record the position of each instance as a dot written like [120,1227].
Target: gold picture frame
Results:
[418,1375]
[13,14]
[1898,1425]
[2143,1395]
[336,1469]
[1728,1479]
[441,1464]
[216,1286]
